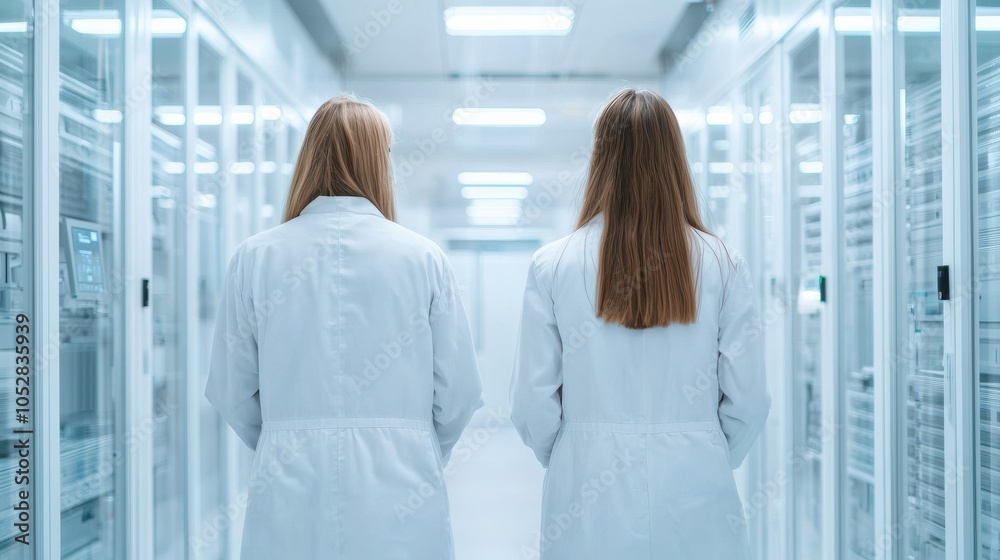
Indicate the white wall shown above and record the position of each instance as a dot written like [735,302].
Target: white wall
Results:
[718,56]
[271,35]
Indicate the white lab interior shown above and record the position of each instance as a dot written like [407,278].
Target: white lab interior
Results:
[846,147]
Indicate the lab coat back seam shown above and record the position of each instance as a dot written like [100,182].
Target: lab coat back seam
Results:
[339,365]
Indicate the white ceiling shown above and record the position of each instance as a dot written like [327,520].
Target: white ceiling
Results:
[409,66]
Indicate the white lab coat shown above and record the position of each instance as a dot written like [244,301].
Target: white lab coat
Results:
[343,357]
[639,429]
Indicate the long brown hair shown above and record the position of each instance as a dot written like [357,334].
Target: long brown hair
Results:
[345,153]
[640,182]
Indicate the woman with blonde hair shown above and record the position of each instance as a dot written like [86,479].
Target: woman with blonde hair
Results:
[343,358]
[639,378]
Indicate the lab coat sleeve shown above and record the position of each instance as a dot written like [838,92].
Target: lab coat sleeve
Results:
[535,391]
[233,379]
[458,390]
[745,398]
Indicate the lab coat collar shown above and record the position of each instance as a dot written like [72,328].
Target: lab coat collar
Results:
[353,204]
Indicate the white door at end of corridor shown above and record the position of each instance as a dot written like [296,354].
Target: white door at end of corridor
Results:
[492,284]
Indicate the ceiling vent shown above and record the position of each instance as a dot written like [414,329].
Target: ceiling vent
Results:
[748,19]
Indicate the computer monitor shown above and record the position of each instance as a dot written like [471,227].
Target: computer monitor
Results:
[84,259]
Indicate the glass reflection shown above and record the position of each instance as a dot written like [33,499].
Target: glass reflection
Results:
[16,94]
[167,286]
[90,167]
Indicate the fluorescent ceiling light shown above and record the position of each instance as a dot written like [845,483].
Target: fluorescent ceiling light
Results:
[490,178]
[765,117]
[493,221]
[852,118]
[170,115]
[859,20]
[719,116]
[721,167]
[241,167]
[918,24]
[495,203]
[689,119]
[853,24]
[853,20]
[811,167]
[805,113]
[269,112]
[518,193]
[987,20]
[173,167]
[747,118]
[97,26]
[167,22]
[206,167]
[107,116]
[242,114]
[527,20]
[266,211]
[208,116]
[205,200]
[267,167]
[509,212]
[94,22]
[13,27]
[159,191]
[498,117]
[107,22]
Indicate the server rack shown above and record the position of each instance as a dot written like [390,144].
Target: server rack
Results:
[924,354]
[860,383]
[988,95]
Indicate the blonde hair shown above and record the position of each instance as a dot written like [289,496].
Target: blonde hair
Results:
[639,180]
[345,153]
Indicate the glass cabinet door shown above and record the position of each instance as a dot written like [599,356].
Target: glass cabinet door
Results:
[805,190]
[987,233]
[90,352]
[208,119]
[857,361]
[243,169]
[919,352]
[273,181]
[16,161]
[719,169]
[760,170]
[167,286]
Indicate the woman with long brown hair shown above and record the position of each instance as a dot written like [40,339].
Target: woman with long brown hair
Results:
[343,358]
[639,379]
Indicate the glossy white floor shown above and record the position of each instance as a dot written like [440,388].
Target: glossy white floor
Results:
[495,486]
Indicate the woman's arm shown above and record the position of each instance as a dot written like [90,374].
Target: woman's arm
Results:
[458,390]
[745,399]
[536,404]
[233,379]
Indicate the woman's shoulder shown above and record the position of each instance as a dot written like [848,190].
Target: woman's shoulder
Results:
[549,256]
[716,257]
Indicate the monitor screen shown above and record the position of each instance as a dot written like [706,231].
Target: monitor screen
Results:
[88,270]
